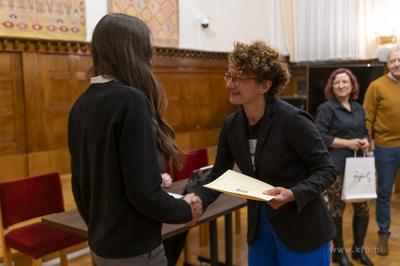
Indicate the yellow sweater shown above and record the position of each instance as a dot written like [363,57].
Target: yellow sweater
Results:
[382,111]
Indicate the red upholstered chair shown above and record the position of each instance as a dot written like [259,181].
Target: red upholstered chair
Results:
[28,198]
[194,159]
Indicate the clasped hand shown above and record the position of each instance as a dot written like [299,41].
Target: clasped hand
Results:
[197,208]
[356,144]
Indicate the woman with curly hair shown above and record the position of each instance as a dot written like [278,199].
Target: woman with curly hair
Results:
[277,143]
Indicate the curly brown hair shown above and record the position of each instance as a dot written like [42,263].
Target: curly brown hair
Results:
[261,61]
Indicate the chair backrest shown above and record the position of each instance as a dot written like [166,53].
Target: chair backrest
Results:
[30,197]
[194,159]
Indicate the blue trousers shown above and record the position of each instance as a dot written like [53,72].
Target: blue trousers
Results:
[268,250]
[387,162]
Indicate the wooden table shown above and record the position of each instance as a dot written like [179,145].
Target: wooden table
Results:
[223,206]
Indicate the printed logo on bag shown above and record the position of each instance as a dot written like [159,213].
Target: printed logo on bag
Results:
[359,175]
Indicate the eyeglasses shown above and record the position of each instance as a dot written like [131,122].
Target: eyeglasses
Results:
[337,83]
[235,80]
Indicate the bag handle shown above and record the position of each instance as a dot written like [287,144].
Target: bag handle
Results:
[355,154]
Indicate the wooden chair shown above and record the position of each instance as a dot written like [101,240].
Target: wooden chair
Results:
[25,199]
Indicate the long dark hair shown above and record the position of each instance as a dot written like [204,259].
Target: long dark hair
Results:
[122,50]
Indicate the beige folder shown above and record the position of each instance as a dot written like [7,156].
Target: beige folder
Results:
[238,184]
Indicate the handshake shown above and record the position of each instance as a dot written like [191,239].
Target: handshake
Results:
[197,208]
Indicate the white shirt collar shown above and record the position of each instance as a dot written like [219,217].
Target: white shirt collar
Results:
[393,78]
[99,79]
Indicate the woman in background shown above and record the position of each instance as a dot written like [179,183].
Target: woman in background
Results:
[275,142]
[115,131]
[341,123]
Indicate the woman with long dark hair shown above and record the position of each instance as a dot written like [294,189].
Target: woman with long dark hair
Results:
[115,133]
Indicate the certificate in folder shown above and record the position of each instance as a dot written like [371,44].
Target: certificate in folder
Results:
[238,184]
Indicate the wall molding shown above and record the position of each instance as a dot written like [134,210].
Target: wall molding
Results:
[12,44]
[29,45]
[186,53]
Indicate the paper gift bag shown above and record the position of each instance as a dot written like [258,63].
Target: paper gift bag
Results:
[359,179]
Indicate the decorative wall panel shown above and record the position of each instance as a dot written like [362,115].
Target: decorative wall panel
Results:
[45,19]
[160,15]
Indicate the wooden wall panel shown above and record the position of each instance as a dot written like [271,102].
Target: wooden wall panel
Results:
[50,95]
[46,83]
[46,78]
[13,166]
[198,100]
[55,160]
[12,112]
[78,66]
[52,84]
[13,159]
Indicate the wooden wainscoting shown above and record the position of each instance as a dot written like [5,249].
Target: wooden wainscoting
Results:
[36,97]
[198,100]
[40,80]
[12,116]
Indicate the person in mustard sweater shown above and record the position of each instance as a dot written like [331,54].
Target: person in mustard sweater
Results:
[382,113]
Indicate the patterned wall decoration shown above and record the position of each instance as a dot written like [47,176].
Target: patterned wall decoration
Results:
[46,19]
[160,15]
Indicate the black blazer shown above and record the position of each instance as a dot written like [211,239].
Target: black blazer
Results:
[290,153]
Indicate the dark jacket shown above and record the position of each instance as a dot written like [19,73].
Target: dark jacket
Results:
[290,153]
[116,178]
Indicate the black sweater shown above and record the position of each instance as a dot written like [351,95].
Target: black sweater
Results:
[116,178]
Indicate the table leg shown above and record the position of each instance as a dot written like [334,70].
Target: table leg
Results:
[228,240]
[214,243]
[213,260]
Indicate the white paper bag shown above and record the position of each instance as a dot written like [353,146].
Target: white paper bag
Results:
[359,179]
